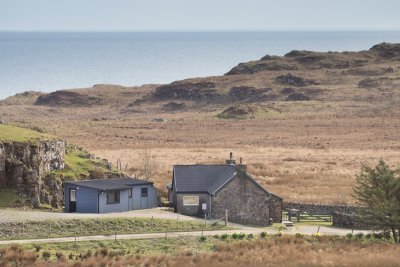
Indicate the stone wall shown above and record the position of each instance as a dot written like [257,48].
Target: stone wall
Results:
[24,165]
[343,215]
[246,202]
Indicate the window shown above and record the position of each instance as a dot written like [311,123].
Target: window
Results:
[144,192]
[72,195]
[113,197]
[130,193]
[190,200]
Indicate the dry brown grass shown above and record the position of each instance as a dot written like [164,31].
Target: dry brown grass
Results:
[278,251]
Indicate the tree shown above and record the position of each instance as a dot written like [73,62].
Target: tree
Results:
[377,191]
[148,165]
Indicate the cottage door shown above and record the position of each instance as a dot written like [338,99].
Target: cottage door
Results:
[72,200]
[144,198]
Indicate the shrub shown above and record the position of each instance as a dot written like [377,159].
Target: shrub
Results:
[89,253]
[241,235]
[71,256]
[37,247]
[203,238]
[378,235]
[359,235]
[349,235]
[368,236]
[224,236]
[235,236]
[263,234]
[250,236]
[298,235]
[216,236]
[46,255]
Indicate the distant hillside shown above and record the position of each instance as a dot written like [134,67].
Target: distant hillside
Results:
[297,76]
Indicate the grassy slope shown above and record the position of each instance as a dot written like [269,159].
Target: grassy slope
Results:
[16,134]
[79,164]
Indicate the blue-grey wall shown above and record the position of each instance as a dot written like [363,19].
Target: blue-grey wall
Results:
[139,202]
[123,204]
[86,199]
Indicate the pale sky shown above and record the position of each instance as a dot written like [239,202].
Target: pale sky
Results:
[199,15]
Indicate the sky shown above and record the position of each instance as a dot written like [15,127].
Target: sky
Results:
[199,15]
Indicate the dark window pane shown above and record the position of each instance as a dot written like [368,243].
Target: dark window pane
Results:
[130,193]
[113,197]
[144,192]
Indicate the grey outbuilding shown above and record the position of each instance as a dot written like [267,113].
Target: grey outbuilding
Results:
[109,195]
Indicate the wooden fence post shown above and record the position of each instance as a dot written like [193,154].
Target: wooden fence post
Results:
[226,217]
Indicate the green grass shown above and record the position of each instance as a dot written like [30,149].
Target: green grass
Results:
[78,164]
[105,226]
[158,246]
[9,196]
[10,133]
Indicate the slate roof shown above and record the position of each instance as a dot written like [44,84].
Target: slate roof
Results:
[110,184]
[202,178]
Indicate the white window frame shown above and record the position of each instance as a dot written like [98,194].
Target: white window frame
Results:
[191,203]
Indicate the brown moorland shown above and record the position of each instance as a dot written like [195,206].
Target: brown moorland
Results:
[277,251]
[304,122]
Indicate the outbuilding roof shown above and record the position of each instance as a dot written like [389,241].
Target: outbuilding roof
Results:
[111,183]
[202,178]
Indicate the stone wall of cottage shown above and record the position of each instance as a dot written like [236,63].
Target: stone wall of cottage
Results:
[275,209]
[245,201]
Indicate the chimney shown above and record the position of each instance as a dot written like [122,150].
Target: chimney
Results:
[242,166]
[231,160]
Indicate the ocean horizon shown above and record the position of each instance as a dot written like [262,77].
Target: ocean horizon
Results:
[49,61]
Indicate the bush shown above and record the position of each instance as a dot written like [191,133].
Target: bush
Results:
[203,238]
[378,235]
[298,235]
[224,236]
[71,256]
[368,236]
[216,236]
[37,247]
[250,236]
[349,235]
[46,255]
[359,235]
[235,236]
[241,235]
[263,234]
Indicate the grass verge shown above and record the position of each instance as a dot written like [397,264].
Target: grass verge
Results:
[108,226]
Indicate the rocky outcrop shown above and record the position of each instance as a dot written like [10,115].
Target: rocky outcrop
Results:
[24,165]
[386,50]
[250,94]
[294,80]
[67,99]
[251,69]
[201,91]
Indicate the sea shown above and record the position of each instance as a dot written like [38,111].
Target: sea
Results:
[49,61]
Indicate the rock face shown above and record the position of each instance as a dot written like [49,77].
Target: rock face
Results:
[202,91]
[67,99]
[24,165]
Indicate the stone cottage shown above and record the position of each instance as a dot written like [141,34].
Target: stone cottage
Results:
[210,190]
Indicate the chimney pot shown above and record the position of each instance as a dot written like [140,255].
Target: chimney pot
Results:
[231,155]
[241,160]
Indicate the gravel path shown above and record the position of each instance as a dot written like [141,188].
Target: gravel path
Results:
[15,215]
